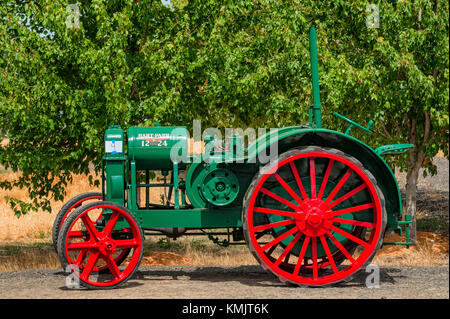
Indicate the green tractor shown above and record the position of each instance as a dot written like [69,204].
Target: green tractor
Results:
[313,214]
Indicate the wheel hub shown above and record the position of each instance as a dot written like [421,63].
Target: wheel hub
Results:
[220,187]
[106,247]
[314,218]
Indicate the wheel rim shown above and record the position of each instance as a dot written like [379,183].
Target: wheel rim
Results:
[100,249]
[311,231]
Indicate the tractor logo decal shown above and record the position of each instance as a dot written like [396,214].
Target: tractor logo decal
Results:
[153,139]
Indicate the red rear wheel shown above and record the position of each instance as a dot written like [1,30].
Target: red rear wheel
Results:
[315,217]
[92,246]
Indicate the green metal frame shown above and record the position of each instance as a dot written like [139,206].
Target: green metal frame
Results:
[405,223]
[393,149]
[315,109]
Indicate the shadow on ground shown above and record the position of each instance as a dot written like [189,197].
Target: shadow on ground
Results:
[247,275]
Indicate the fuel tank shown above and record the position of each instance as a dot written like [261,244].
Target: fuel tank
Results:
[157,147]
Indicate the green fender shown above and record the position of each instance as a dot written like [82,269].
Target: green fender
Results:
[295,136]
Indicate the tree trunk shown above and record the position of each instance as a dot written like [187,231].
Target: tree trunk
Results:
[411,197]
[415,161]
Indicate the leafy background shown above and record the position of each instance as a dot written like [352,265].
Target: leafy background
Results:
[227,63]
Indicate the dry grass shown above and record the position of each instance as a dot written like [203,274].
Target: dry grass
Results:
[194,257]
[196,251]
[225,257]
[417,256]
[27,257]
[431,250]
[34,226]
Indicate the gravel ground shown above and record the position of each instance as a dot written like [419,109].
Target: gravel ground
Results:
[432,192]
[243,282]
[438,183]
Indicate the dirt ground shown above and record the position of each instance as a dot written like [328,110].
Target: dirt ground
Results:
[230,282]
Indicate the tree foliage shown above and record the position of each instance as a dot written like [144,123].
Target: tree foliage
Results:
[228,63]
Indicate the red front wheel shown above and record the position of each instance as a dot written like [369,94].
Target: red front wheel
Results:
[314,217]
[91,245]
[68,208]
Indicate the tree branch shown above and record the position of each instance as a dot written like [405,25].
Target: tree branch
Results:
[426,135]
[383,126]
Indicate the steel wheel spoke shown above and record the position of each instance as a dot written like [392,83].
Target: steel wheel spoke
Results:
[279,238]
[325,178]
[278,198]
[75,234]
[353,222]
[352,209]
[89,266]
[314,257]
[298,180]
[312,175]
[348,195]
[126,243]
[90,226]
[341,248]
[80,258]
[288,188]
[287,251]
[350,236]
[301,256]
[274,212]
[339,186]
[112,266]
[81,246]
[274,225]
[329,256]
[111,224]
